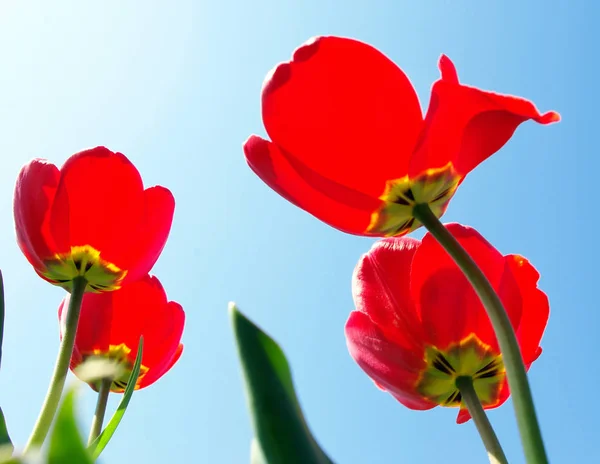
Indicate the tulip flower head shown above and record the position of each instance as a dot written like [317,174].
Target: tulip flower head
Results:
[349,143]
[92,218]
[110,327]
[419,326]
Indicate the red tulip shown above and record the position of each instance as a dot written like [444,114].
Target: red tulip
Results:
[419,325]
[111,324]
[91,218]
[350,145]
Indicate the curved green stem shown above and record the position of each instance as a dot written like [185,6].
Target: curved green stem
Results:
[531,436]
[61,368]
[100,409]
[488,436]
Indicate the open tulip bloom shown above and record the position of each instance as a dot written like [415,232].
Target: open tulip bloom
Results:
[110,327]
[349,143]
[109,237]
[419,326]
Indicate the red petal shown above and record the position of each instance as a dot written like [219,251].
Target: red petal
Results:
[334,204]
[141,308]
[34,194]
[463,416]
[153,231]
[99,202]
[381,289]
[412,402]
[176,356]
[345,111]
[510,295]
[392,367]
[449,308]
[536,309]
[159,371]
[448,70]
[465,125]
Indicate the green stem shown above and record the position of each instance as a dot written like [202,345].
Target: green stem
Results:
[488,436]
[531,436]
[61,368]
[100,409]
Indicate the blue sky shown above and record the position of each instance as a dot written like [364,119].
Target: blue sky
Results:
[176,87]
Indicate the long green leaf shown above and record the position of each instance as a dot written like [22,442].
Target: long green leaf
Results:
[282,434]
[100,443]
[5,442]
[66,445]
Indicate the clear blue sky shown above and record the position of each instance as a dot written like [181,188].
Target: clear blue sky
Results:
[176,86]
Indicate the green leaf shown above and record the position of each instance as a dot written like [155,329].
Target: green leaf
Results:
[66,444]
[100,443]
[282,435]
[5,442]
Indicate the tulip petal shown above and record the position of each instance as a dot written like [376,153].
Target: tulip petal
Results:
[34,194]
[153,231]
[536,309]
[411,402]
[465,125]
[449,308]
[381,289]
[390,366]
[463,416]
[345,110]
[99,202]
[340,207]
[141,309]
[165,353]
[175,357]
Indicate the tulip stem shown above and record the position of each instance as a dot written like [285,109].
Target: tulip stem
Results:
[101,403]
[488,436]
[61,368]
[531,436]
